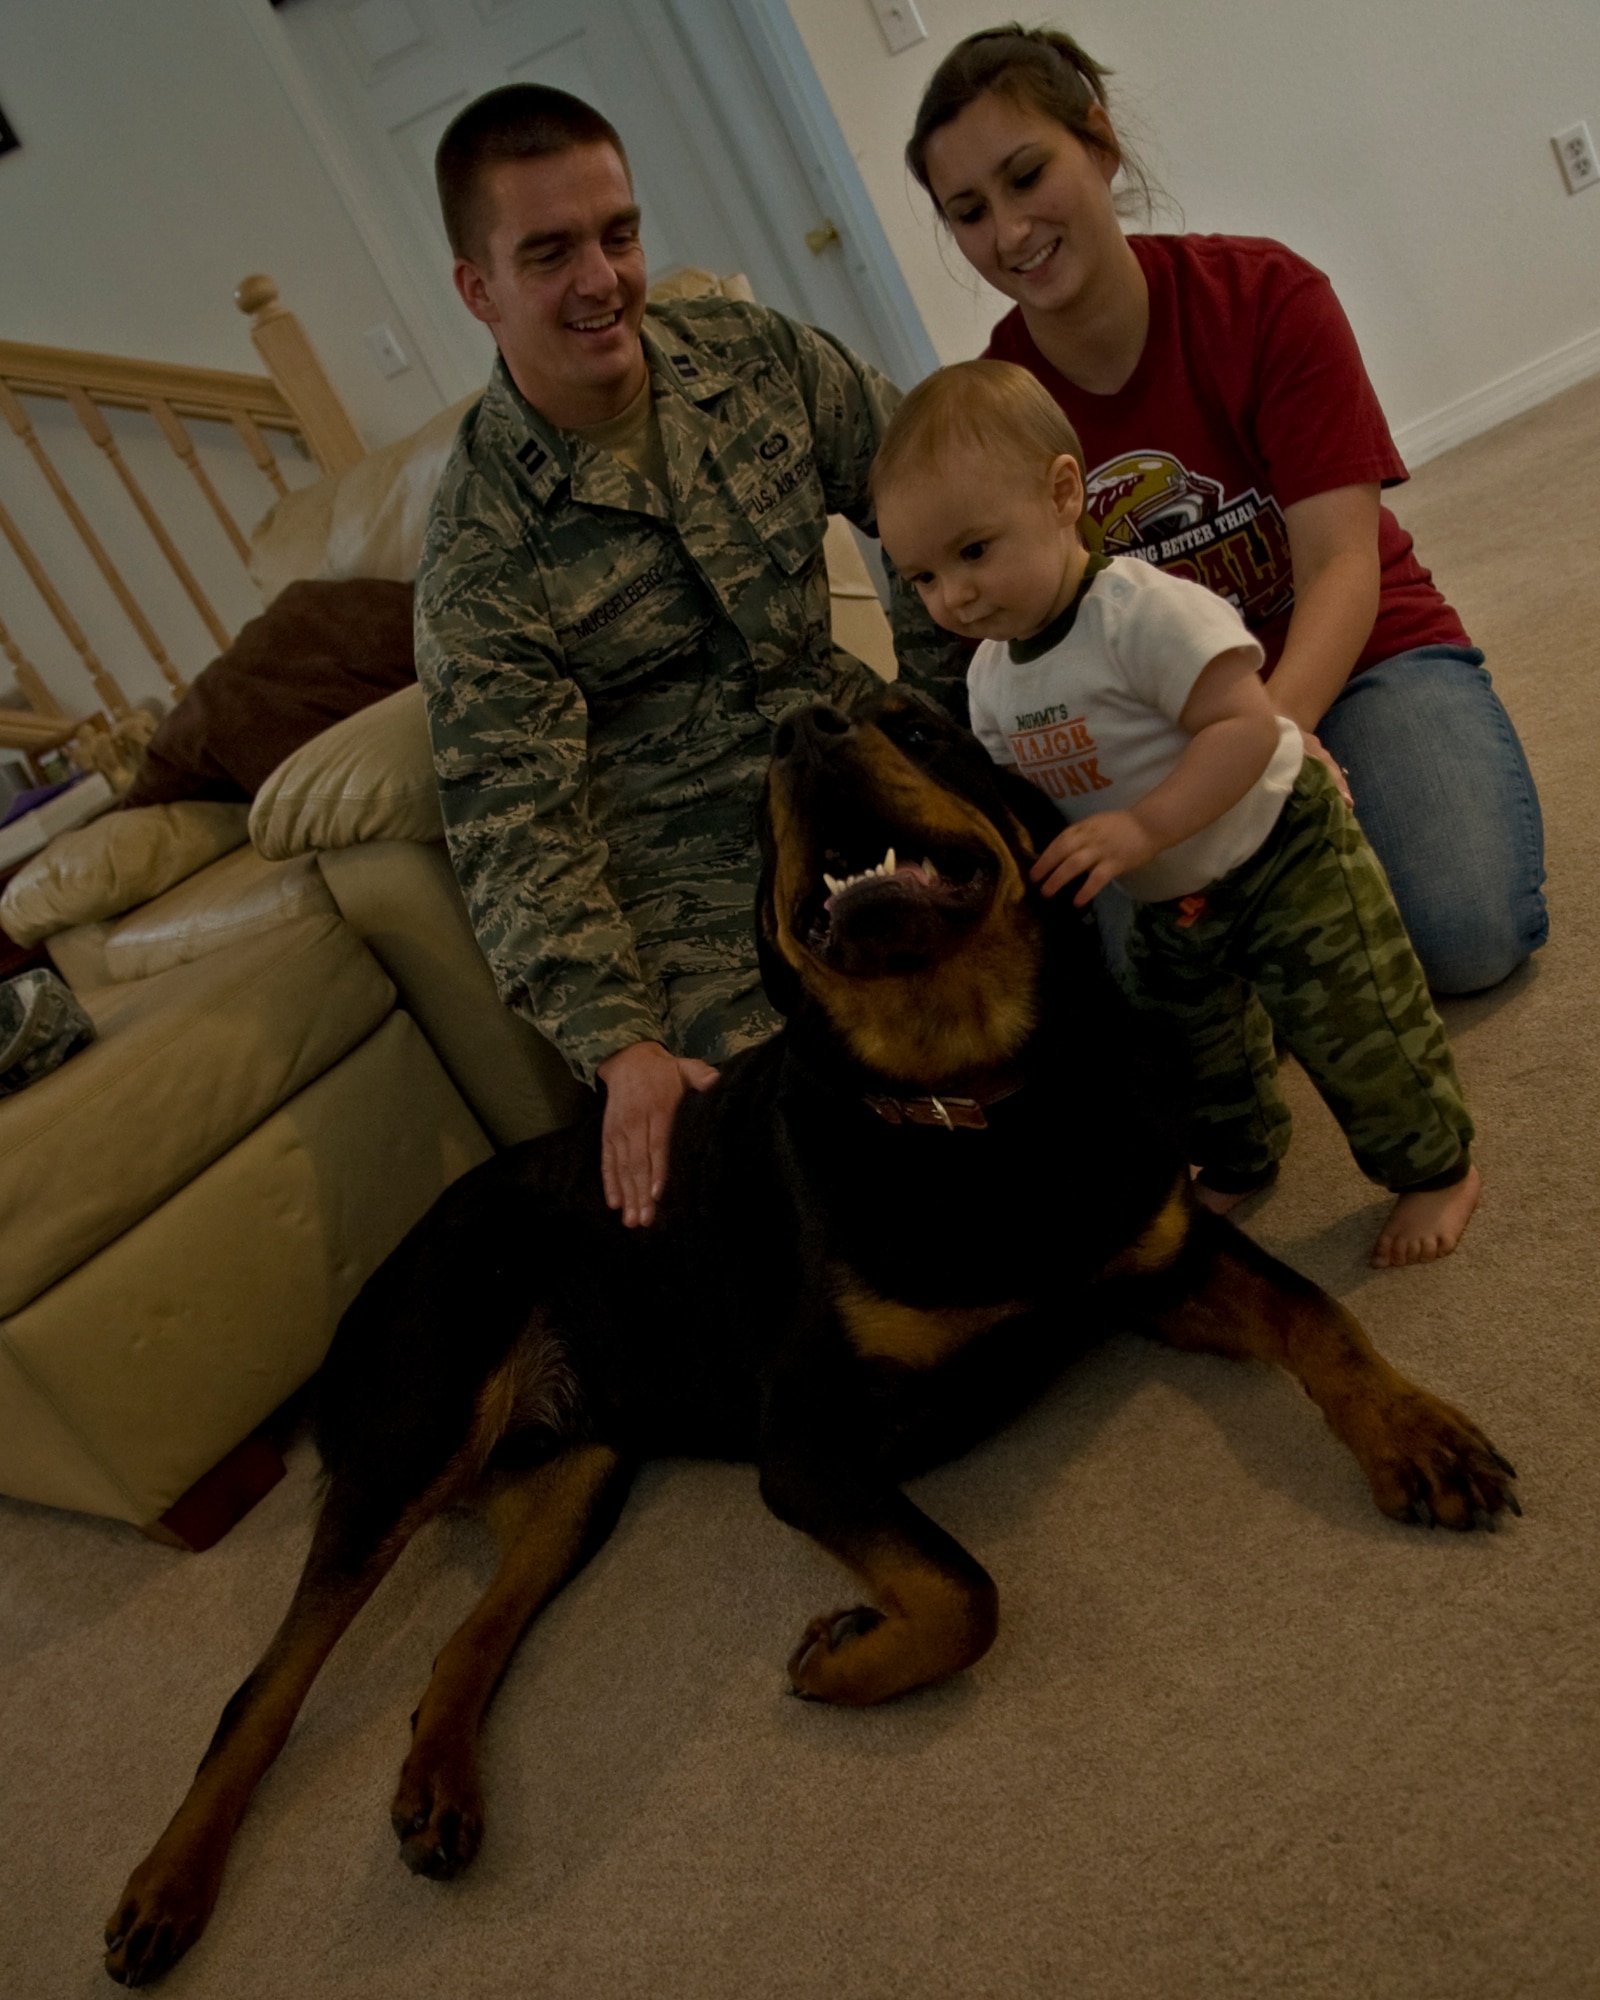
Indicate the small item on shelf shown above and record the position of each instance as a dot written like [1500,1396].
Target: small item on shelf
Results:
[31,797]
[13,779]
[72,804]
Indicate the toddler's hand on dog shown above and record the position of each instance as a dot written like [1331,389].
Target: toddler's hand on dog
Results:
[1098,848]
[643,1086]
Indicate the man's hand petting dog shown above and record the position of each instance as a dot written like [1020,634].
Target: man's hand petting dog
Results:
[644,1086]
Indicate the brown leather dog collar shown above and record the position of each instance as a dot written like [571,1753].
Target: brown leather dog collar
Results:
[953,1113]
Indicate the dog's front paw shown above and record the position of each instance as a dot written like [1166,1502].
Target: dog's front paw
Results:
[160,1914]
[863,1656]
[816,1668]
[437,1814]
[1428,1462]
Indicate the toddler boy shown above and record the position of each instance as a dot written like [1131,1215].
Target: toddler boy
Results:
[1133,699]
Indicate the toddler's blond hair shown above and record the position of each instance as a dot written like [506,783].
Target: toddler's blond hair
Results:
[992,405]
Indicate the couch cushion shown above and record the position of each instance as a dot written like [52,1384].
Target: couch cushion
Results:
[123,858]
[79,954]
[368,778]
[315,655]
[187,1063]
[368,521]
[232,899]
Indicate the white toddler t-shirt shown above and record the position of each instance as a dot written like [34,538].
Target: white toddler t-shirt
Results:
[1094,720]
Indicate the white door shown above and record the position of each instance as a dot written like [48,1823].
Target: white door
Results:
[720,180]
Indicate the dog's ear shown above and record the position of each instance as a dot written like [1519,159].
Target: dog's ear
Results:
[778,977]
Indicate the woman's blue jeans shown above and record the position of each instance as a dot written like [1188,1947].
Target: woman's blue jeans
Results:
[1444,794]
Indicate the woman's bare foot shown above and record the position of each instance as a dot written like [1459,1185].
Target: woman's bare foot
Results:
[1223,1202]
[1424,1227]
[1216,1201]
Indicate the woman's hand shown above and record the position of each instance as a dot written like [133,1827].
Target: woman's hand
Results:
[1315,747]
[643,1087]
[1100,847]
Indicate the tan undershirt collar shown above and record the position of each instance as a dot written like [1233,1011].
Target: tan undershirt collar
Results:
[634,436]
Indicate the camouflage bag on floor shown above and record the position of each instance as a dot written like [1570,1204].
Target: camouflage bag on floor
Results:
[41,1024]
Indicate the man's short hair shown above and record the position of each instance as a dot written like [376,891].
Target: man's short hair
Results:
[993,405]
[519,121]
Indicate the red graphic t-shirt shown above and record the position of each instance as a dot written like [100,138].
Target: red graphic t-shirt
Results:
[1250,395]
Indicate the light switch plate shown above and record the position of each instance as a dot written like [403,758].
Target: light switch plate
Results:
[384,343]
[901,23]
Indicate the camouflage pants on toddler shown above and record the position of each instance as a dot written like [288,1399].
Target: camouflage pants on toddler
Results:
[1304,939]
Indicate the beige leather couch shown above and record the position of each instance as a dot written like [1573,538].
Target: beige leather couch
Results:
[190,1202]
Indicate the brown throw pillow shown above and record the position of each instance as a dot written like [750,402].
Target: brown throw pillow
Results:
[319,652]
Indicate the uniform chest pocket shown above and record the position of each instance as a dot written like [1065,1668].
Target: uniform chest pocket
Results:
[771,467]
[789,511]
[623,620]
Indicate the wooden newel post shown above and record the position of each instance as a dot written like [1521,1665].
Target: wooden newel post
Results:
[331,438]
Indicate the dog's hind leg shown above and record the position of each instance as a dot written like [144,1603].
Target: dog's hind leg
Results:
[1424,1460]
[170,1895]
[548,1520]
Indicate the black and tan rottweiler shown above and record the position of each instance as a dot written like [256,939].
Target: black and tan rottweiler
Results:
[884,1229]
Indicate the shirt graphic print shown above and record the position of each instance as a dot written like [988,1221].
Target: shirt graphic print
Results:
[1057,753]
[1148,505]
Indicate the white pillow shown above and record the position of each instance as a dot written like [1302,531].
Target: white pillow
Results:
[368,521]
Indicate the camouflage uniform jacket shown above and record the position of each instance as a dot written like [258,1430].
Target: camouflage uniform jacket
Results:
[603,663]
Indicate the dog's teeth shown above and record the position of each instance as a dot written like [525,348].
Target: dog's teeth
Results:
[887,865]
[929,870]
[832,884]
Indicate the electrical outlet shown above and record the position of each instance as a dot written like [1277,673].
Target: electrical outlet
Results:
[1579,163]
[391,357]
[901,23]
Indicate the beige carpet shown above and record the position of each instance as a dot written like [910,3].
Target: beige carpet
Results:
[1240,1736]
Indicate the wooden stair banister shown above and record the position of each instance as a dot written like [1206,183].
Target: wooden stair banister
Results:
[281,341]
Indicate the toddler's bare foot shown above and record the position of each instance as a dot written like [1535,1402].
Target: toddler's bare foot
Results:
[1423,1227]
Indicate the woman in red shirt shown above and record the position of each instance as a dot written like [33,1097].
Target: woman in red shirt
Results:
[1231,435]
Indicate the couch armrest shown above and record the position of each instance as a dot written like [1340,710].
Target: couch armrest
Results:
[369,777]
[117,861]
[401,899]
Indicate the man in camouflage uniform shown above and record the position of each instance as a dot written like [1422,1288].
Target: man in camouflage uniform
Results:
[622,589]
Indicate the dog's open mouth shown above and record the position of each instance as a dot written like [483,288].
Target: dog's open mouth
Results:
[894,897]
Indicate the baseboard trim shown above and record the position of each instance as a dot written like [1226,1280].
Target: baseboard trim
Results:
[1496,402]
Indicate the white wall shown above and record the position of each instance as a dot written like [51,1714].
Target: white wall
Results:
[1403,145]
[160,163]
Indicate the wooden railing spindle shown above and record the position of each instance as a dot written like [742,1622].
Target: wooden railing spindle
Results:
[100,432]
[104,683]
[17,418]
[259,450]
[171,428]
[40,700]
